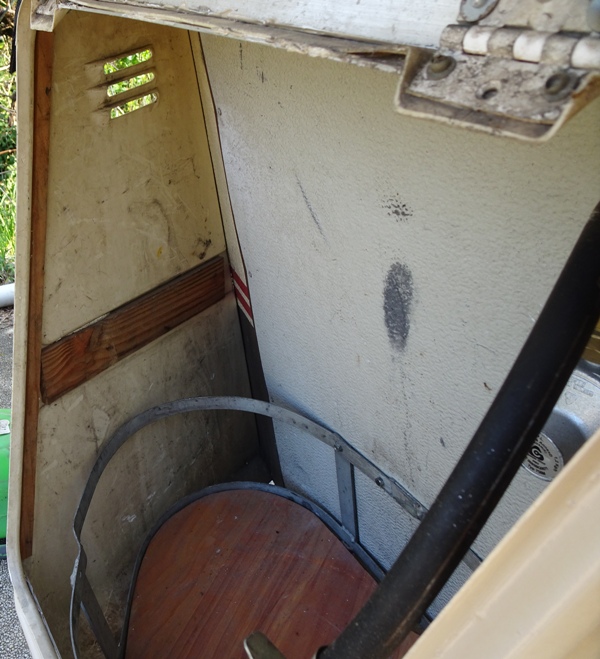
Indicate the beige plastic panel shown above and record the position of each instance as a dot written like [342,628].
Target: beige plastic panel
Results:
[132,200]
[202,357]
[395,266]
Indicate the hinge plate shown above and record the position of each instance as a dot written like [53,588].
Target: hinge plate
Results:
[505,81]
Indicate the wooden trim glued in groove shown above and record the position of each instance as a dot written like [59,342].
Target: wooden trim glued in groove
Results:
[43,60]
[80,356]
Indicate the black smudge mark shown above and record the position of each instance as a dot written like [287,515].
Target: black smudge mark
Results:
[398,209]
[397,303]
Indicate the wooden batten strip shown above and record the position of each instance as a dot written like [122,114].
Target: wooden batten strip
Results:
[80,356]
[43,60]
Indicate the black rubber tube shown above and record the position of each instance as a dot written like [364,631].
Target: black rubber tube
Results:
[489,462]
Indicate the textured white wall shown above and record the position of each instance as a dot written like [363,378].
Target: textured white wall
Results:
[395,265]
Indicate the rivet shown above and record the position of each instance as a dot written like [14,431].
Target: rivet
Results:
[379,481]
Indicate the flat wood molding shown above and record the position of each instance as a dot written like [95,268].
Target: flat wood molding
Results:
[43,61]
[82,355]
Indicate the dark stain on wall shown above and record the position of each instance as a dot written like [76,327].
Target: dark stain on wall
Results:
[397,303]
[398,209]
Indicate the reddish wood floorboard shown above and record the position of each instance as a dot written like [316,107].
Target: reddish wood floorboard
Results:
[80,356]
[242,561]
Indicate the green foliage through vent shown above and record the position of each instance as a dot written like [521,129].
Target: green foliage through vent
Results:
[133,104]
[130,83]
[127,61]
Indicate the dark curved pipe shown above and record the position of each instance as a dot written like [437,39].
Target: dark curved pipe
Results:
[489,462]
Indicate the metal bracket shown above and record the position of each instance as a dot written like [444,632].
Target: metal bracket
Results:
[507,81]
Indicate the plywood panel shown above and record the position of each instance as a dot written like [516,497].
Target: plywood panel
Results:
[162,463]
[242,561]
[82,355]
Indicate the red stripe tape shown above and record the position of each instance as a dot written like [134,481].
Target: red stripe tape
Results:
[242,295]
[244,304]
[245,307]
[239,292]
[239,281]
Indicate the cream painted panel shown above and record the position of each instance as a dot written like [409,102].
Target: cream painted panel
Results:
[395,266]
[170,459]
[132,200]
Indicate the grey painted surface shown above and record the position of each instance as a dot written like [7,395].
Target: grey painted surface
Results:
[12,641]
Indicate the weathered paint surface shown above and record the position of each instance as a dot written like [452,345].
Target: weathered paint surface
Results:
[343,208]
[133,199]
[392,21]
[163,463]
[132,203]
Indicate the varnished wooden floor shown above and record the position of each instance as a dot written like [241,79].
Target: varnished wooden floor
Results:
[242,561]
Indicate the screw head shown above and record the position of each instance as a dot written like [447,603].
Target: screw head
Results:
[440,66]
[559,85]
[379,481]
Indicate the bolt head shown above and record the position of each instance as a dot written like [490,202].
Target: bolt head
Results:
[440,66]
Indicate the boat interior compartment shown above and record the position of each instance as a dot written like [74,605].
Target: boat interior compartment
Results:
[232,560]
[260,314]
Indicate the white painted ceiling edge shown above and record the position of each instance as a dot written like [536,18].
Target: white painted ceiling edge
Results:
[393,21]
